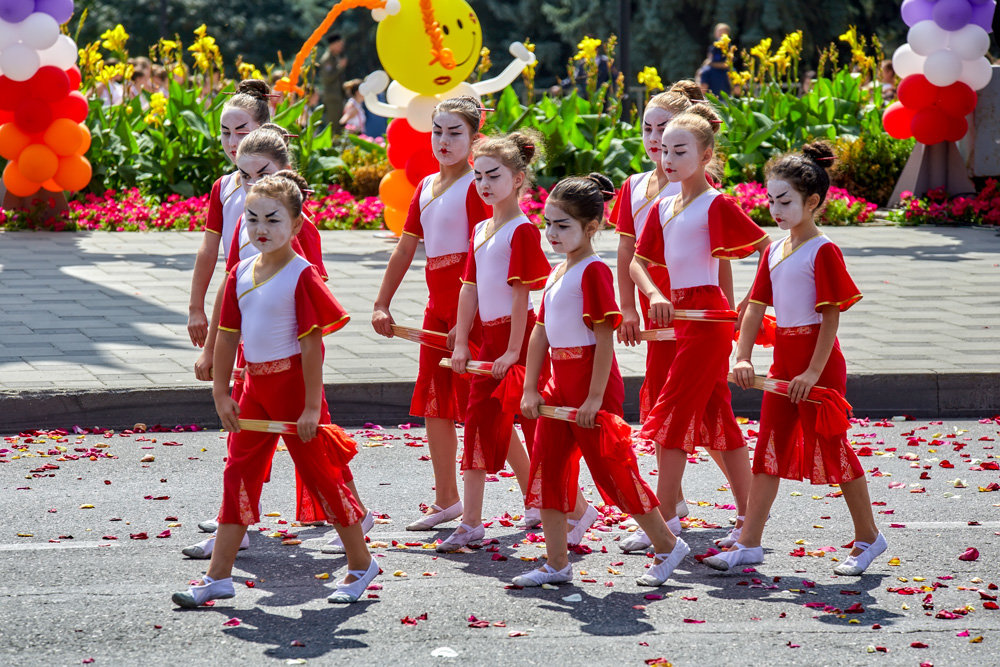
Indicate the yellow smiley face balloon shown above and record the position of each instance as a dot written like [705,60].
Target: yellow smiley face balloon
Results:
[426,58]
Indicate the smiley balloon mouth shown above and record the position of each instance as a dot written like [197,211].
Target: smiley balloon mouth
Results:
[442,80]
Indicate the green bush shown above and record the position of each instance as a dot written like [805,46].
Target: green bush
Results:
[870,165]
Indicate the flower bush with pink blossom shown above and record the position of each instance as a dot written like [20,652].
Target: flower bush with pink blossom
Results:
[131,211]
[937,208]
[841,207]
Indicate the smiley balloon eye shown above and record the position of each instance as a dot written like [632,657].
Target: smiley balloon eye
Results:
[460,26]
[444,28]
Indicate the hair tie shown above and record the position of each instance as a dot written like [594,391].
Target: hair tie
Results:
[826,159]
[714,121]
[287,135]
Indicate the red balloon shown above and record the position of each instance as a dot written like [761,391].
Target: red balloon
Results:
[958,99]
[75,79]
[956,128]
[897,120]
[421,164]
[930,126]
[50,84]
[74,106]
[32,115]
[6,116]
[916,92]
[11,93]
[403,142]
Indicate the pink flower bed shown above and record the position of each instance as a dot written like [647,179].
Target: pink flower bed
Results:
[840,208]
[936,207]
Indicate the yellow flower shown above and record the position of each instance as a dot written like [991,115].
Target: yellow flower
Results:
[650,78]
[763,50]
[249,71]
[91,60]
[114,39]
[166,48]
[206,52]
[851,37]
[723,43]
[587,49]
[529,70]
[157,109]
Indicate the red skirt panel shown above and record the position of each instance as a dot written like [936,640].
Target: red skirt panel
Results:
[280,397]
[487,426]
[438,391]
[659,353]
[558,445]
[788,444]
[694,408]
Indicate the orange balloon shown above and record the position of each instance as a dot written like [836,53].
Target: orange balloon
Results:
[63,137]
[395,190]
[394,219]
[38,163]
[74,173]
[51,186]
[16,183]
[84,140]
[12,141]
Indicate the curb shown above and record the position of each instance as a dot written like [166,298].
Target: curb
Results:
[920,394]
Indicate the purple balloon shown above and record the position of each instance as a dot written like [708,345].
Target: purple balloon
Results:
[15,11]
[982,15]
[952,14]
[915,11]
[60,10]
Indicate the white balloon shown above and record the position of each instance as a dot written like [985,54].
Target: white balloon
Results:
[942,68]
[19,62]
[970,42]
[397,95]
[8,34]
[462,89]
[62,54]
[905,62]
[420,111]
[39,31]
[976,73]
[927,37]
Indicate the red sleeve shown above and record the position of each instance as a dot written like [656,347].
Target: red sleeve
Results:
[412,225]
[834,286]
[233,258]
[315,306]
[621,214]
[213,223]
[469,277]
[475,208]
[762,292]
[230,317]
[650,244]
[312,247]
[731,231]
[599,302]
[528,264]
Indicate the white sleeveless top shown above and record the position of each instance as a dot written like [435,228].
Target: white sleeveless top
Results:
[269,323]
[492,258]
[687,246]
[793,282]
[443,218]
[641,205]
[563,306]
[233,196]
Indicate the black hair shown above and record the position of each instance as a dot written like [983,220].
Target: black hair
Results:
[583,197]
[806,170]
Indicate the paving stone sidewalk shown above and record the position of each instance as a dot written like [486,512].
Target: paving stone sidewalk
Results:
[107,312]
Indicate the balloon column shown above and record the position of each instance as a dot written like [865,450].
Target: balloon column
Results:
[429,48]
[941,66]
[41,108]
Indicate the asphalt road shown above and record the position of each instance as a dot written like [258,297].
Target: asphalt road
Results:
[71,595]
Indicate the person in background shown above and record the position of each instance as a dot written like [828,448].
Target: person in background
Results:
[353,118]
[331,76]
[887,77]
[714,72]
[158,81]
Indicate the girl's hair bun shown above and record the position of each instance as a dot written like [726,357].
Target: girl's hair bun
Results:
[819,152]
[706,111]
[255,88]
[604,184]
[277,129]
[301,183]
[689,89]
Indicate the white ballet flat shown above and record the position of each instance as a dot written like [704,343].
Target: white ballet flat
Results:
[457,540]
[740,556]
[336,546]
[637,541]
[577,528]
[733,537]
[675,526]
[209,526]
[203,550]
[546,575]
[855,565]
[532,518]
[682,509]
[660,572]
[351,592]
[430,521]
[210,589]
